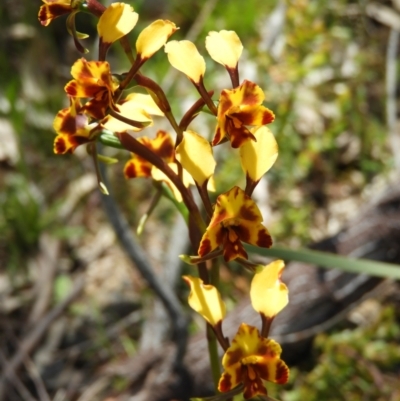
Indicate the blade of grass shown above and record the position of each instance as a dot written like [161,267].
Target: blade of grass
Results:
[330,260]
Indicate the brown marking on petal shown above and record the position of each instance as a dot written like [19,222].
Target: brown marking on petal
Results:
[96,108]
[282,373]
[245,117]
[85,70]
[233,250]
[165,148]
[253,387]
[137,168]
[236,191]
[225,383]
[268,117]
[264,240]
[233,356]
[225,102]
[247,213]
[239,136]
[243,233]
[263,370]
[60,146]
[48,12]
[130,170]
[217,137]
[71,88]
[205,247]
[263,348]
[250,96]
[70,125]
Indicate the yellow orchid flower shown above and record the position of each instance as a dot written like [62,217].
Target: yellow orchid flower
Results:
[250,360]
[92,79]
[205,300]
[239,108]
[236,218]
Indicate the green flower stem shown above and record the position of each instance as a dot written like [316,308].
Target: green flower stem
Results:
[214,357]
[179,205]
[329,260]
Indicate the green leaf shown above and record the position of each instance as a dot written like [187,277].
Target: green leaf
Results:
[331,261]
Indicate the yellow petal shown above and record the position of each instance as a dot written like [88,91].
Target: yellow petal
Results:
[153,37]
[137,107]
[116,21]
[258,157]
[224,47]
[205,300]
[196,156]
[268,294]
[184,56]
[211,239]
[144,102]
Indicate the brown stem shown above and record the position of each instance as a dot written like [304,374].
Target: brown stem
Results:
[234,74]
[204,94]
[250,185]
[205,198]
[127,120]
[192,113]
[95,7]
[128,78]
[223,341]
[266,324]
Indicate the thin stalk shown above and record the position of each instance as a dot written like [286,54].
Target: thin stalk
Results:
[329,261]
[213,354]
[207,98]
[205,198]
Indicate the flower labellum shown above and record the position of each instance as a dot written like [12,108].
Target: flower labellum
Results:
[239,108]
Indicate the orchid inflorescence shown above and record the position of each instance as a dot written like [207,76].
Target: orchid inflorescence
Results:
[104,107]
